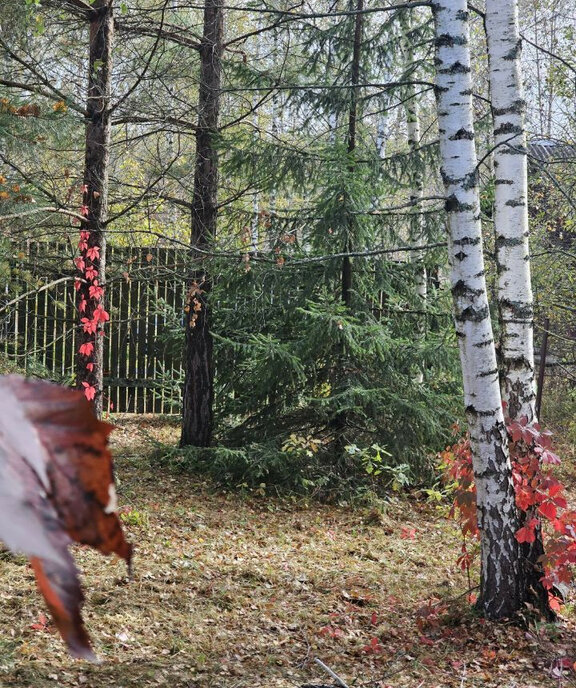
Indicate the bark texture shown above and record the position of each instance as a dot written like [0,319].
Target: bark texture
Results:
[511,209]
[95,193]
[512,248]
[417,222]
[497,518]
[198,393]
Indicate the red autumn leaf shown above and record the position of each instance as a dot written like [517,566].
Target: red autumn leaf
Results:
[41,624]
[93,252]
[524,497]
[554,602]
[561,502]
[515,431]
[550,458]
[91,273]
[56,486]
[526,534]
[89,391]
[90,367]
[101,315]
[88,325]
[95,291]
[408,533]
[373,647]
[548,510]
[86,349]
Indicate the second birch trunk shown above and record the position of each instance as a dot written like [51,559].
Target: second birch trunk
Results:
[497,517]
[512,249]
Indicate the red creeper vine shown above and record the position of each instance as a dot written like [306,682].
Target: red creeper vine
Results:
[93,315]
[539,497]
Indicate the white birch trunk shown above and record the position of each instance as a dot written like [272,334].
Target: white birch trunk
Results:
[512,250]
[417,227]
[497,519]
[511,209]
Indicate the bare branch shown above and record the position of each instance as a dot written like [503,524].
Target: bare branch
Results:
[142,74]
[6,306]
[43,80]
[33,88]
[45,209]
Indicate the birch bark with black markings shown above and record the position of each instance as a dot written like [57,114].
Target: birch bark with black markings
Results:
[497,517]
[511,227]
[511,209]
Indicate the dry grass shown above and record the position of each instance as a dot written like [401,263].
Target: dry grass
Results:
[239,591]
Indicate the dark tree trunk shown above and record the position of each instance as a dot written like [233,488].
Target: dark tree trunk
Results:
[95,195]
[198,393]
[340,420]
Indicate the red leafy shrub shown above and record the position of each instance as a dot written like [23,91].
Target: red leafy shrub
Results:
[539,497]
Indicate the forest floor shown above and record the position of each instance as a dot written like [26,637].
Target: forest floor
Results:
[239,591]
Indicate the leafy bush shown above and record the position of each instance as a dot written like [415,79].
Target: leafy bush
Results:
[301,466]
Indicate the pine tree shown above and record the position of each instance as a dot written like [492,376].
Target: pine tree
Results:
[197,421]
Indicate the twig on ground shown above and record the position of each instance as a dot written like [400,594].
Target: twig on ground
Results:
[335,676]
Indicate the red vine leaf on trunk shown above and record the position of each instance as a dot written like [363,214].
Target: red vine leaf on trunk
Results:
[56,487]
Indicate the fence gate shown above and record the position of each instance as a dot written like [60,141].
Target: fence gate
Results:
[144,296]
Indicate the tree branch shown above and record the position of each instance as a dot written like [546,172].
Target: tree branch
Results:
[142,74]
[6,306]
[43,80]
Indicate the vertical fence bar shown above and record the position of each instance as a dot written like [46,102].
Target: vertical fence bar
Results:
[43,326]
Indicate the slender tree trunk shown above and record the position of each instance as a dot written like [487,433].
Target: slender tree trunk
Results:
[340,420]
[497,517]
[198,393]
[512,249]
[511,210]
[417,225]
[95,198]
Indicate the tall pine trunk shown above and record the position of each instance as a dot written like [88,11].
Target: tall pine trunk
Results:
[512,249]
[198,393]
[95,197]
[500,594]
[340,421]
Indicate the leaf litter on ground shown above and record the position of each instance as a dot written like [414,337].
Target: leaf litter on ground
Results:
[237,590]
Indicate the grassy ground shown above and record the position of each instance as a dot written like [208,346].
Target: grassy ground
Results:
[237,591]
